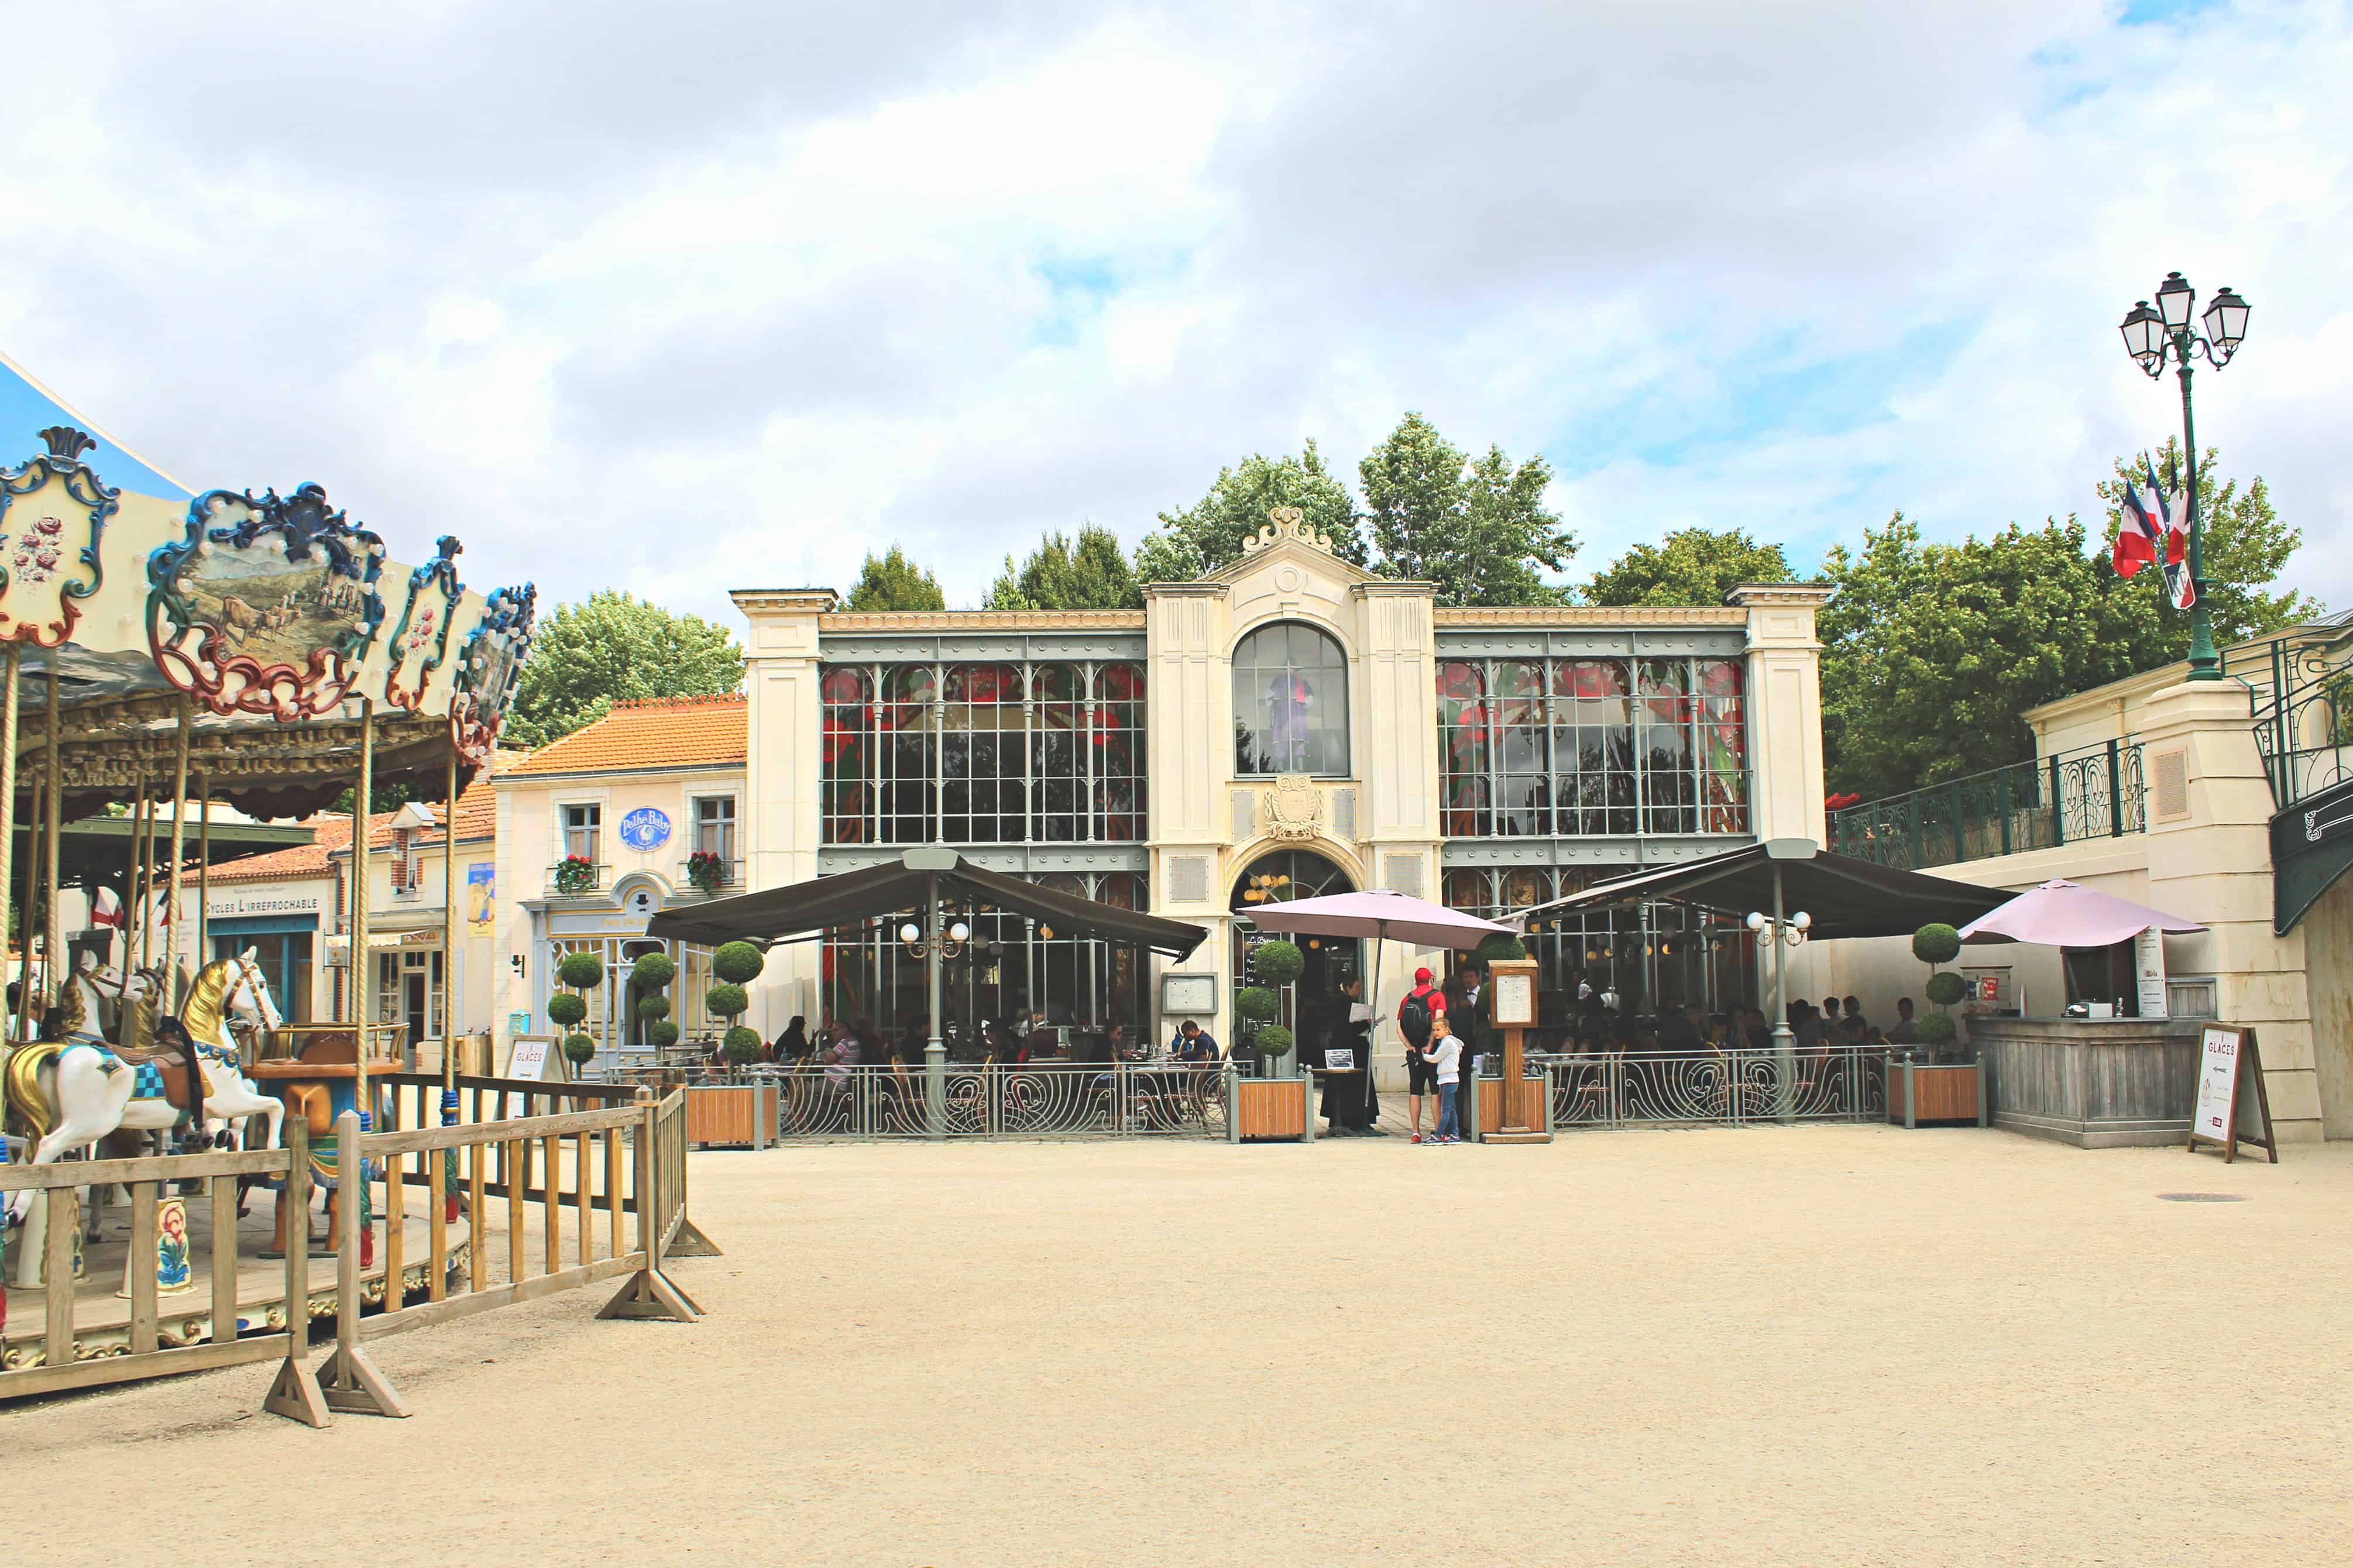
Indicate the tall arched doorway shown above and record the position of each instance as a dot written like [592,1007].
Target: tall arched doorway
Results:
[1315,1009]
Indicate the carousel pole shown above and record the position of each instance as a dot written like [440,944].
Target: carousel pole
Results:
[205,872]
[131,899]
[363,983]
[53,766]
[13,681]
[20,1015]
[450,981]
[179,855]
[147,881]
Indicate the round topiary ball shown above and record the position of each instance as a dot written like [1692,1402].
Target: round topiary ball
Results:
[564,1009]
[653,1007]
[1272,1040]
[581,970]
[654,971]
[1279,963]
[738,964]
[1503,944]
[579,1049]
[663,1035]
[744,1046]
[1935,944]
[727,1000]
[1945,988]
[1255,1003]
[1937,1029]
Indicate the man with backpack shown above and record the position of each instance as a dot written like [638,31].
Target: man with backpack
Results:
[1422,1005]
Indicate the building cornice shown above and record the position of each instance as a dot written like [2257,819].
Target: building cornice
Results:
[503,782]
[806,600]
[1565,617]
[849,623]
[1809,593]
[1189,590]
[1394,588]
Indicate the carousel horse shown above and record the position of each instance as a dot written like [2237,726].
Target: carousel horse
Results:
[72,1093]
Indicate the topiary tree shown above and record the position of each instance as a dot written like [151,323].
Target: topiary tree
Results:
[737,964]
[1279,963]
[565,1010]
[1273,1040]
[581,970]
[1937,1029]
[1257,1006]
[1935,944]
[579,1049]
[653,1009]
[664,1035]
[568,1009]
[1945,988]
[1502,945]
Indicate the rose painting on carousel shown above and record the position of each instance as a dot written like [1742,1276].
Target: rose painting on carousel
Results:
[53,512]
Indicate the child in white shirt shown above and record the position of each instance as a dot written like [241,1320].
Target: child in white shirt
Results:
[1445,1052]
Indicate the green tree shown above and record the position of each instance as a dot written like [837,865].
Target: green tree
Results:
[1209,534]
[1478,530]
[1689,566]
[893,582]
[2247,550]
[609,646]
[1933,653]
[1090,573]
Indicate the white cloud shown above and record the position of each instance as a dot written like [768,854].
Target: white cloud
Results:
[702,296]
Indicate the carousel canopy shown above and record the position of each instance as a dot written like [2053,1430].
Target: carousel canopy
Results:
[258,628]
[898,885]
[1846,897]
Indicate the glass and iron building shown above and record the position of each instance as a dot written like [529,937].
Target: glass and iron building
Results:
[1289,726]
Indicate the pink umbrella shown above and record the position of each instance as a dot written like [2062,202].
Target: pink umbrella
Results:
[2060,914]
[1379,914]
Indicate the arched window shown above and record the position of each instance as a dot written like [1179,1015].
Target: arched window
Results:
[1290,702]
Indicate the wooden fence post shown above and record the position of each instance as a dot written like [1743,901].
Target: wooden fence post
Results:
[352,1382]
[645,1293]
[296,1393]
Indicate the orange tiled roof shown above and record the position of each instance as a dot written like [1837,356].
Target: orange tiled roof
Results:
[649,732]
[478,815]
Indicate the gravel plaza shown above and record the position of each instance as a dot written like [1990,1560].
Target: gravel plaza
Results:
[1843,1344]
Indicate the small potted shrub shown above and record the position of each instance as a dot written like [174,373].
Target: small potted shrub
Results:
[737,964]
[567,1009]
[1256,1006]
[1945,1088]
[1944,989]
[575,875]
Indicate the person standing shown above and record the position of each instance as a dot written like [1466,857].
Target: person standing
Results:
[1347,1092]
[1469,1021]
[1907,1027]
[1422,1007]
[1444,1054]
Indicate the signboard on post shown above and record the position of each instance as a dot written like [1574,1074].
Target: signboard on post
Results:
[2232,1107]
[2149,968]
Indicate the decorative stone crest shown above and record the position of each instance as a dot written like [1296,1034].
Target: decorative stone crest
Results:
[1288,522]
[1294,808]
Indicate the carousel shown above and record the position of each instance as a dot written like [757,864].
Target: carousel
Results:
[159,657]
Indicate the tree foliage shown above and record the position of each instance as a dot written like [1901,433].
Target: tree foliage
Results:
[1689,566]
[1478,528]
[610,647]
[1090,573]
[1933,653]
[893,582]
[2246,547]
[1209,534]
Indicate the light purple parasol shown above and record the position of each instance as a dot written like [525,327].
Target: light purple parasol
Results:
[2060,914]
[1379,914]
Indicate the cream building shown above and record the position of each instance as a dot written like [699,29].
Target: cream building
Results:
[1291,725]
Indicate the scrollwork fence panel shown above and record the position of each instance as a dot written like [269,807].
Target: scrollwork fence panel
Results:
[1026,1100]
[1727,1088]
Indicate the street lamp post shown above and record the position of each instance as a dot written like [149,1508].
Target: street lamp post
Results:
[1775,933]
[2152,336]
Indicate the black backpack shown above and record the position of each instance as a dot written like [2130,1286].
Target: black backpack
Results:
[1413,1020]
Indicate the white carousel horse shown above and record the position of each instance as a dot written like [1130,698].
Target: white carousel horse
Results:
[74,1093]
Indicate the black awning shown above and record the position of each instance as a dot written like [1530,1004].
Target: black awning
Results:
[898,885]
[1846,897]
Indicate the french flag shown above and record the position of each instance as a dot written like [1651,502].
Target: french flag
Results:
[2178,584]
[2138,533]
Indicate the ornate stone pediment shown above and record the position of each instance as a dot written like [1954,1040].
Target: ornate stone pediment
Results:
[1294,808]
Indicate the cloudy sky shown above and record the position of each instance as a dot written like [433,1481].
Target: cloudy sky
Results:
[716,294]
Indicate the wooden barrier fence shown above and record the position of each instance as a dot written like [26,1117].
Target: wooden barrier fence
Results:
[612,1156]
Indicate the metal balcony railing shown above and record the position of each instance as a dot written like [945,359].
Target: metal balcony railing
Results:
[2095,792]
[569,879]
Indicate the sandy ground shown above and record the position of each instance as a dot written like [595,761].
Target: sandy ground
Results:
[1823,1345]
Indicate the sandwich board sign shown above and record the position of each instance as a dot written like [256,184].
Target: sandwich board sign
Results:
[529,1058]
[2232,1108]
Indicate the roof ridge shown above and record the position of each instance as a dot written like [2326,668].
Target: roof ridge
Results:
[710,700]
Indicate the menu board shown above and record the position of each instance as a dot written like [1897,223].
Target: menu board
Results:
[2233,1106]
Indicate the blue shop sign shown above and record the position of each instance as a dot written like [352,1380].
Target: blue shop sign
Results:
[645,828]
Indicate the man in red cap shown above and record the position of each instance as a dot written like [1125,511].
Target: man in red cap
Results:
[1422,1003]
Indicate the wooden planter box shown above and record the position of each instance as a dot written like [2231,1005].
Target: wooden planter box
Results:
[1483,1108]
[1935,1091]
[1271,1109]
[738,1115]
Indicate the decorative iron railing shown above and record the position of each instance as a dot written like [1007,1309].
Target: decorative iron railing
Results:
[2302,689]
[1731,1088]
[2095,791]
[1042,1100]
